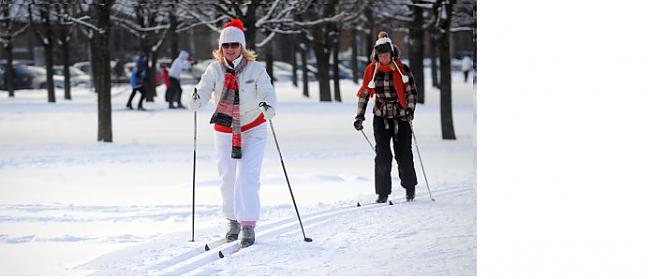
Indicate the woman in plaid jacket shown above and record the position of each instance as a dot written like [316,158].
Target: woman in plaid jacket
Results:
[393,86]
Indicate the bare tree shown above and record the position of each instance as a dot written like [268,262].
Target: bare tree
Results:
[101,13]
[443,24]
[464,19]
[416,49]
[94,20]
[148,21]
[7,35]
[433,49]
[335,62]
[45,38]
[65,32]
[173,27]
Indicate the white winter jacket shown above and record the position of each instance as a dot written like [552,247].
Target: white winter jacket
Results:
[254,87]
[179,64]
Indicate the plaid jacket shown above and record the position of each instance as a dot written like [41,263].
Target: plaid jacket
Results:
[386,102]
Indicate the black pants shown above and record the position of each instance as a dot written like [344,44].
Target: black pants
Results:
[176,91]
[384,157]
[466,75]
[141,89]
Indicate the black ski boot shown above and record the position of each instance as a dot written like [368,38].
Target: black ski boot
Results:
[248,237]
[233,230]
[410,195]
[382,199]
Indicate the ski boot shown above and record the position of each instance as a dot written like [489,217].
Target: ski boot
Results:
[233,230]
[248,237]
[382,199]
[410,195]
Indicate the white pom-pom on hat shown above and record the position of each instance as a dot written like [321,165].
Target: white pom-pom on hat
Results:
[371,84]
[405,78]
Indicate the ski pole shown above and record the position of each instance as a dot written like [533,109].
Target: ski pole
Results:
[194,170]
[421,164]
[275,138]
[364,135]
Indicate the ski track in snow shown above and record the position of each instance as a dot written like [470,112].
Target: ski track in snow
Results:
[283,237]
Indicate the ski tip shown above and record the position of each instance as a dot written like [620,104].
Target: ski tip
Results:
[220,255]
[390,202]
[207,248]
[358,205]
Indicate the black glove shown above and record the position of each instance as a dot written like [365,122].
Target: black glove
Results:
[358,124]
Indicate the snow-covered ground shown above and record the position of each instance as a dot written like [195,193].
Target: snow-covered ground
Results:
[72,206]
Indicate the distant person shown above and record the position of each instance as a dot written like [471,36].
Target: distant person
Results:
[467,66]
[165,77]
[137,82]
[180,63]
[244,99]
[393,86]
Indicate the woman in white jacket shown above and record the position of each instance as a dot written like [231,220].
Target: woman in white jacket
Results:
[244,99]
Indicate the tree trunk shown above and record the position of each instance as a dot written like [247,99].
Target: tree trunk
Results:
[101,54]
[49,55]
[416,54]
[294,61]
[305,71]
[370,36]
[355,53]
[65,51]
[322,64]
[445,83]
[474,44]
[10,81]
[268,56]
[249,24]
[434,61]
[150,78]
[335,70]
[173,25]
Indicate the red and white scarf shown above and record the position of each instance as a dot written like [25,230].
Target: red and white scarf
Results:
[227,112]
[398,81]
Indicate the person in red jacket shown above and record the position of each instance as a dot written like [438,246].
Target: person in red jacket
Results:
[165,77]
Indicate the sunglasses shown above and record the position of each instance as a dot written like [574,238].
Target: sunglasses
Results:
[230,45]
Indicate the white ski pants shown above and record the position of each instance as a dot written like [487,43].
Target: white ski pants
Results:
[240,178]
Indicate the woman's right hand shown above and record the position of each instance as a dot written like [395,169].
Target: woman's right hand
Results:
[195,103]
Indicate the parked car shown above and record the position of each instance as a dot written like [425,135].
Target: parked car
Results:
[22,76]
[77,77]
[84,66]
[30,77]
[40,78]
